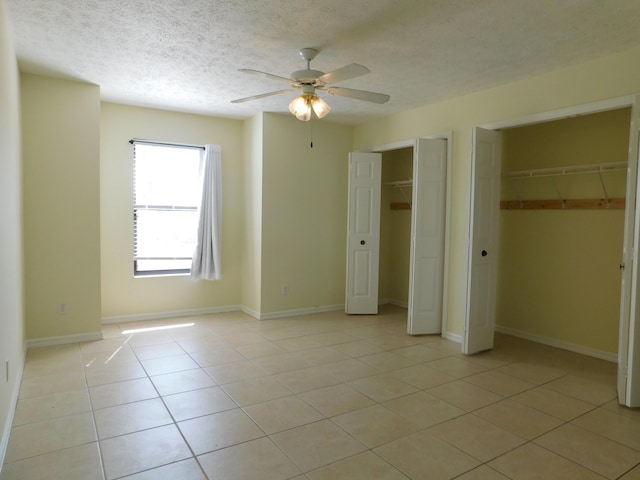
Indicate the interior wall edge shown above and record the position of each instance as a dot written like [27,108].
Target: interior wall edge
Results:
[13,403]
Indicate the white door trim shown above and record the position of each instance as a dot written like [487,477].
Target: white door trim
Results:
[586,109]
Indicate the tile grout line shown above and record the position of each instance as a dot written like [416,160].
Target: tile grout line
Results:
[175,423]
[297,395]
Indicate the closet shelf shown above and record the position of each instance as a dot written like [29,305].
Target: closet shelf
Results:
[572,170]
[400,183]
[561,202]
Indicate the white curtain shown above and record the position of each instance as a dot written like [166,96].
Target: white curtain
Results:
[206,258]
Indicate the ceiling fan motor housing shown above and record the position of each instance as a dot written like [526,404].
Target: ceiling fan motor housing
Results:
[307,77]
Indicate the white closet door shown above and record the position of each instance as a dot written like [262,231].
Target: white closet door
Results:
[428,232]
[629,330]
[483,241]
[363,232]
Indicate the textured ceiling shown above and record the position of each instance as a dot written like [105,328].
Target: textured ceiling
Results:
[185,54]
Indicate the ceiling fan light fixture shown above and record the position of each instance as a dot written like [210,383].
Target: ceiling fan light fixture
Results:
[302,106]
[305,116]
[320,107]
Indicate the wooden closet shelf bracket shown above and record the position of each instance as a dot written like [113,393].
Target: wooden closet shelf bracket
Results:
[400,206]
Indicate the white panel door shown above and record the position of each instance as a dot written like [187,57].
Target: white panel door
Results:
[363,232]
[629,330]
[428,232]
[483,241]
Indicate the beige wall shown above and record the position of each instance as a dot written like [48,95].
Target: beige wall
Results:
[284,213]
[122,294]
[252,215]
[558,275]
[395,227]
[12,334]
[304,213]
[60,121]
[597,80]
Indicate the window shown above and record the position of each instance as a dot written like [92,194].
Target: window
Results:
[166,191]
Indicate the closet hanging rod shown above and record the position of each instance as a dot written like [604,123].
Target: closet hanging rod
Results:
[400,183]
[572,170]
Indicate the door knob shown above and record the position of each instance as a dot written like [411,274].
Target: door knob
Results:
[484,253]
[362,242]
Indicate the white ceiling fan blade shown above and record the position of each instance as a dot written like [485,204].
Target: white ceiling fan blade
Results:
[265,74]
[256,97]
[344,73]
[358,94]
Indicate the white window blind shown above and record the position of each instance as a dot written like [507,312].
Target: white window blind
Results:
[165,211]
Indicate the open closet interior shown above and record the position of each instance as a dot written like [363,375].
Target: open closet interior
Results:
[395,226]
[561,231]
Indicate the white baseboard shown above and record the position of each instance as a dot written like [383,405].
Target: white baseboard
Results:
[62,340]
[13,403]
[398,303]
[171,314]
[552,342]
[248,311]
[205,311]
[454,337]
[299,312]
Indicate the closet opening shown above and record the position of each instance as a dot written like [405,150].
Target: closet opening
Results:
[562,222]
[574,328]
[395,227]
[398,229]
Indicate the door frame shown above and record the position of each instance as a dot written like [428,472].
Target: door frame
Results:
[448,136]
[629,326]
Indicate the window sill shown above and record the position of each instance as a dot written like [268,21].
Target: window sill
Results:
[162,275]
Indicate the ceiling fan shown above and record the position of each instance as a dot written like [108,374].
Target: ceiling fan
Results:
[308,81]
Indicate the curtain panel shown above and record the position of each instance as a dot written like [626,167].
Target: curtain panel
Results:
[206,263]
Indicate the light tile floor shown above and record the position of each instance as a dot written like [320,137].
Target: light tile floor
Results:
[325,396]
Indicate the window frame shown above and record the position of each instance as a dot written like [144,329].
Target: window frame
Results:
[148,207]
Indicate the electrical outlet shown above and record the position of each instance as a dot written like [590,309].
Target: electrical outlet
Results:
[62,308]
[285,289]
